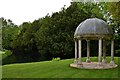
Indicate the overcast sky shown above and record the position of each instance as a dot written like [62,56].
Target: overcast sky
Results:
[20,11]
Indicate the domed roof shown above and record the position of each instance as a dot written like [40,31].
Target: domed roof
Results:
[93,27]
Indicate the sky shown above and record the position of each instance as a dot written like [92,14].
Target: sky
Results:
[20,11]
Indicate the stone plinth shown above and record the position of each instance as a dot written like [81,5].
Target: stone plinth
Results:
[93,65]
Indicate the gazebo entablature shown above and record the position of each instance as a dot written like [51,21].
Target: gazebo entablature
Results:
[93,37]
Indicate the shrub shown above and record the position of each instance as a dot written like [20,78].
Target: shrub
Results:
[8,57]
[117,52]
[56,59]
[7,53]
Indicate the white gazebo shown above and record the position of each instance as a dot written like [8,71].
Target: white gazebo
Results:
[93,29]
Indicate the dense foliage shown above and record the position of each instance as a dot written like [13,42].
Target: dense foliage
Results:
[51,36]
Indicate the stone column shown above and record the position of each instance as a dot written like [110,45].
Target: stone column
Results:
[104,52]
[100,51]
[88,51]
[112,53]
[80,52]
[75,61]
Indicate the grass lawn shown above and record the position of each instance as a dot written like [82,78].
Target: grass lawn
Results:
[56,69]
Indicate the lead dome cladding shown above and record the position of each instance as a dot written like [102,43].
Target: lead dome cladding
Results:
[93,28]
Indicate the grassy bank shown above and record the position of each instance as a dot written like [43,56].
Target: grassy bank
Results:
[56,69]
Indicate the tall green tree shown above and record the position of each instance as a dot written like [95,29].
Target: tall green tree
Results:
[55,37]
[9,33]
[114,9]
[25,45]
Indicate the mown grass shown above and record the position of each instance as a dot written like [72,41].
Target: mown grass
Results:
[56,69]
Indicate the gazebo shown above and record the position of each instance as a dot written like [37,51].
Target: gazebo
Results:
[93,29]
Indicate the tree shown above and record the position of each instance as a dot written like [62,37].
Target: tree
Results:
[55,37]
[25,45]
[114,9]
[9,33]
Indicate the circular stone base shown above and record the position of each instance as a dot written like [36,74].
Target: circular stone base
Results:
[93,65]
